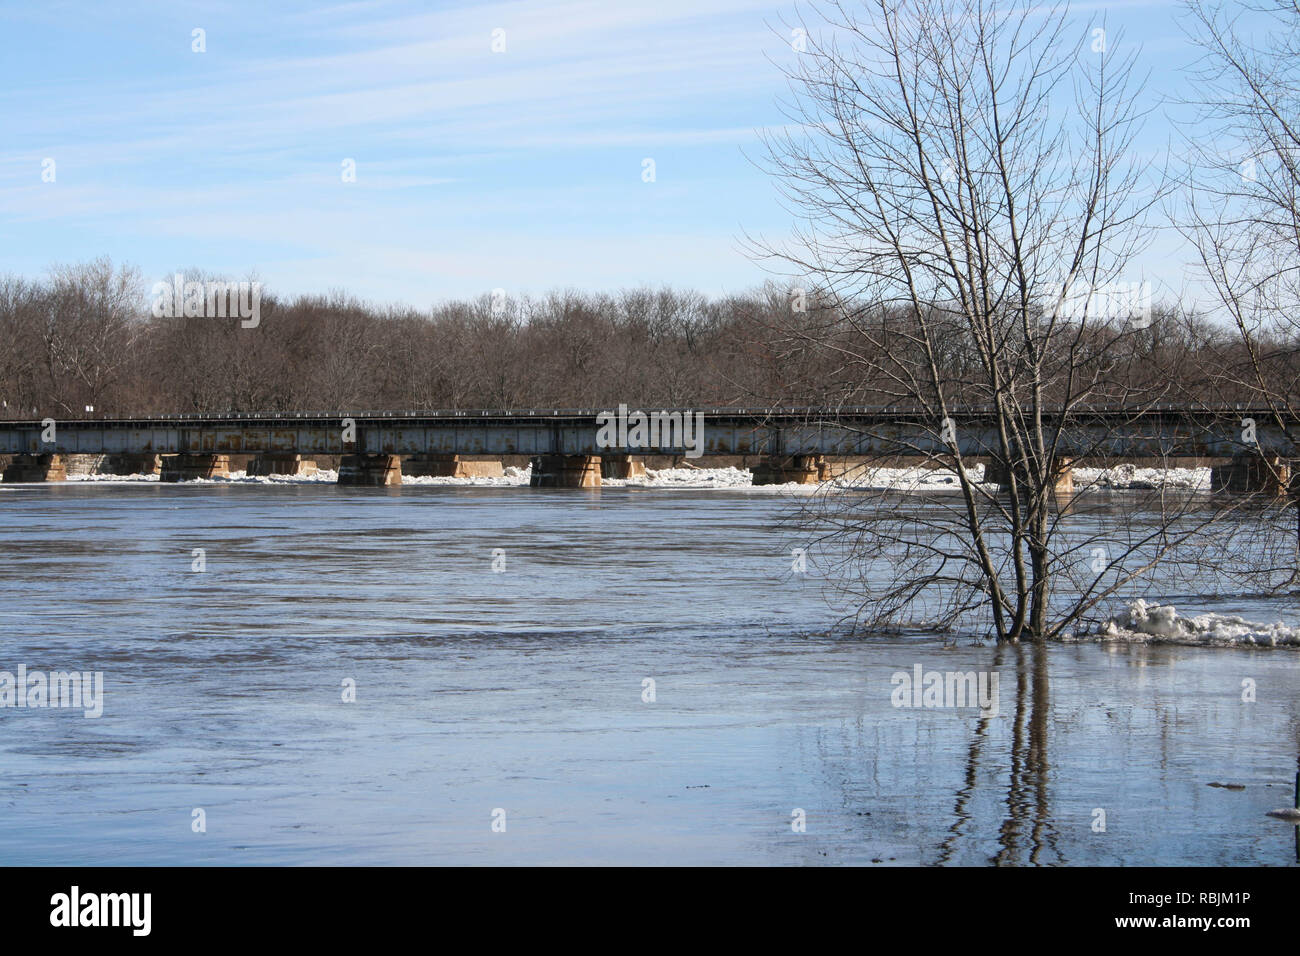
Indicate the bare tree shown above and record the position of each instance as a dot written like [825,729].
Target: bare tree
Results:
[21,348]
[1242,209]
[971,208]
[93,313]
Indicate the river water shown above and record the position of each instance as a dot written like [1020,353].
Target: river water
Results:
[500,641]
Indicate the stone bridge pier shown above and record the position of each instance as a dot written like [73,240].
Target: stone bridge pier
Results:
[566,471]
[281,463]
[188,467]
[131,464]
[1254,473]
[999,473]
[621,466]
[791,469]
[370,470]
[26,468]
[453,466]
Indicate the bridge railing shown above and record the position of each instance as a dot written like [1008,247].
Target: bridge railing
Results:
[757,411]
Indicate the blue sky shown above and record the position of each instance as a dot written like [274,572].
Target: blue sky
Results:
[474,170]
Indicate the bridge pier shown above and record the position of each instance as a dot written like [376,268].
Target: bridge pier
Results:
[1253,473]
[29,468]
[190,467]
[83,464]
[453,466]
[131,465]
[566,471]
[999,473]
[280,463]
[621,466]
[1064,478]
[370,470]
[788,469]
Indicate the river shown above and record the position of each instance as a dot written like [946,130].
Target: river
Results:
[627,676]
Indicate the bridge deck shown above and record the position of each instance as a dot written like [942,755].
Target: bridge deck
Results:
[864,431]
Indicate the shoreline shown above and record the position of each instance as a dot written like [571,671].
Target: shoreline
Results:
[1123,477]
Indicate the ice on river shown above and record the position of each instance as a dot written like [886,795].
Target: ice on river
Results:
[1120,477]
[1162,624]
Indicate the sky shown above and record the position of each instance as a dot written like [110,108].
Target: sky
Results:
[520,168]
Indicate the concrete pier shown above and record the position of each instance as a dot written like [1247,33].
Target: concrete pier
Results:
[1252,473]
[566,471]
[621,466]
[190,467]
[131,465]
[790,469]
[453,466]
[999,473]
[280,463]
[83,464]
[26,468]
[370,470]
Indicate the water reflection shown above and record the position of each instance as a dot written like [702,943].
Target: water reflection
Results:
[1028,806]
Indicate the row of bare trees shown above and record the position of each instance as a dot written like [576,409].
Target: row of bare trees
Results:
[86,336]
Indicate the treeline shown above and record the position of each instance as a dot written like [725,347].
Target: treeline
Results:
[86,336]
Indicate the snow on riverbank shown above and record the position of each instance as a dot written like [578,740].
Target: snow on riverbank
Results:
[1118,478]
[1144,623]
[112,478]
[1134,477]
[1121,477]
[512,478]
[906,479]
[235,477]
[688,477]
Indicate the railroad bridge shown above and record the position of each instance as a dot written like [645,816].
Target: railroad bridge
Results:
[569,447]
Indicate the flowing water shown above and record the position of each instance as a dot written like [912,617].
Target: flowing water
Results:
[500,641]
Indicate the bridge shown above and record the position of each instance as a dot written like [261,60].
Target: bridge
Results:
[574,447]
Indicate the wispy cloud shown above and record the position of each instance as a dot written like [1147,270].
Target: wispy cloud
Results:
[529,158]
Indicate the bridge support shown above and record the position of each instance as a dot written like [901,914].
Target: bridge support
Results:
[1064,478]
[27,468]
[566,471]
[370,470]
[999,473]
[83,464]
[791,469]
[621,466]
[280,463]
[453,466]
[1252,473]
[131,465]
[191,467]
